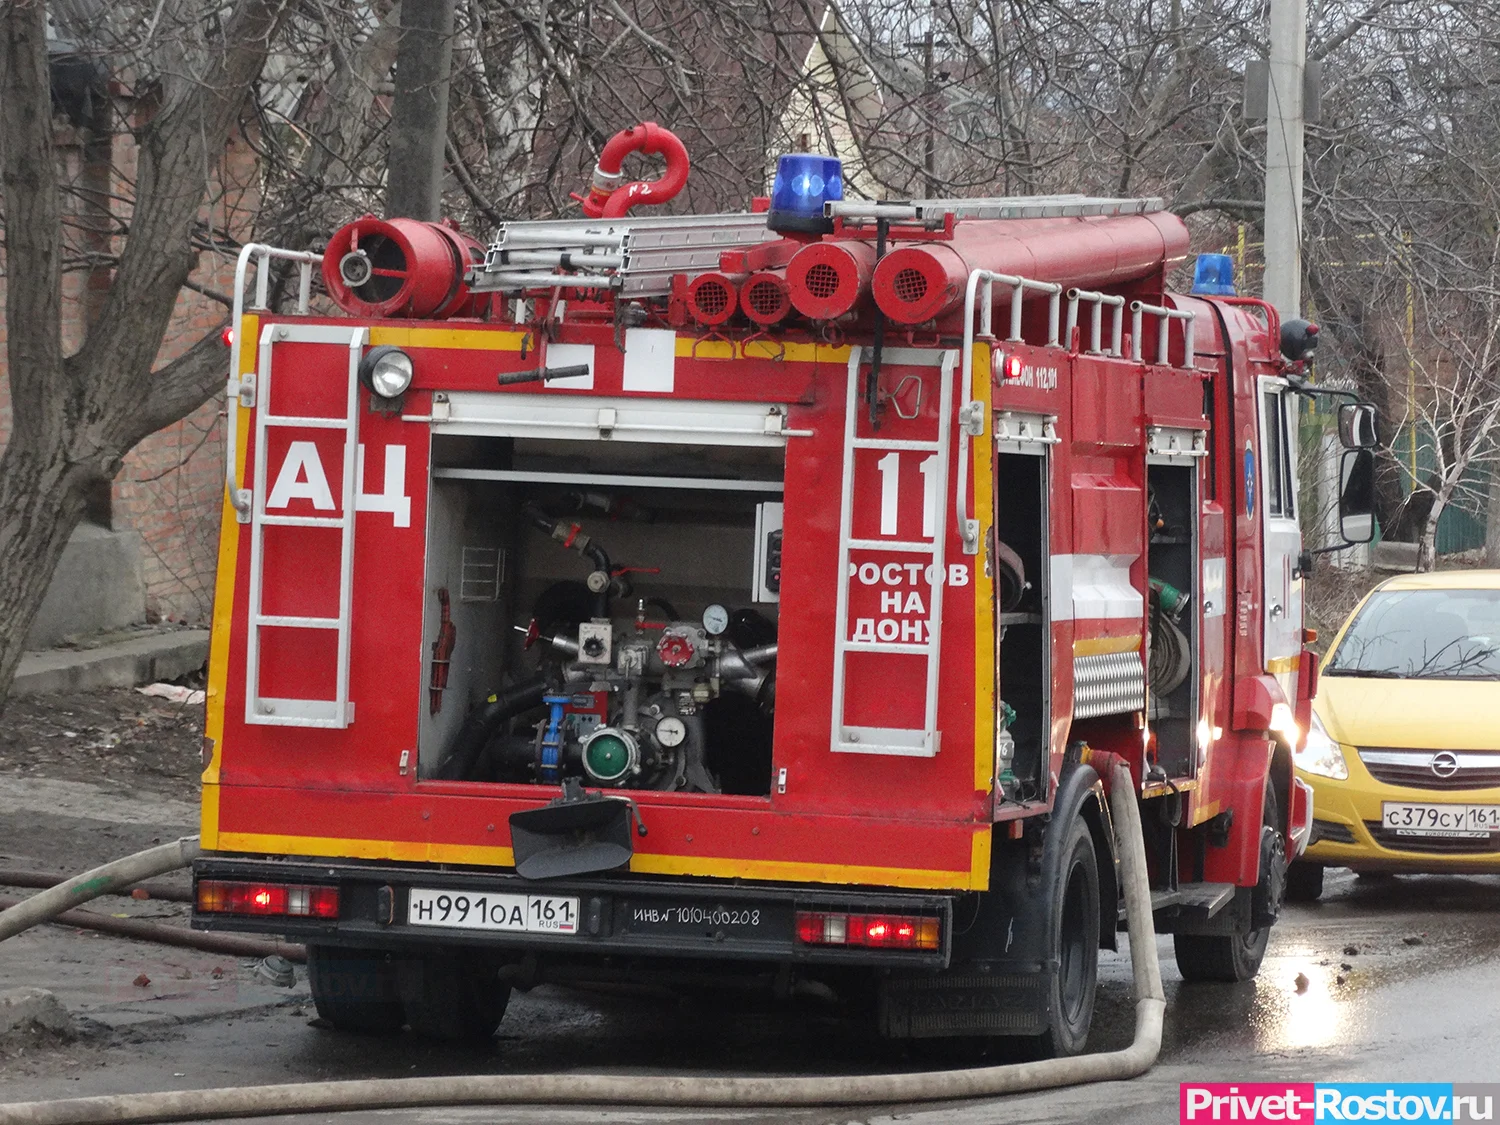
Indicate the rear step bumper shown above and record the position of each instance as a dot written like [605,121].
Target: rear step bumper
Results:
[615,915]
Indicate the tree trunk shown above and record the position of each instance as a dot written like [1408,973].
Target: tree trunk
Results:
[1492,524]
[41,501]
[419,113]
[1427,542]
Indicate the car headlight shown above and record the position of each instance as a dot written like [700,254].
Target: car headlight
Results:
[1320,754]
[386,371]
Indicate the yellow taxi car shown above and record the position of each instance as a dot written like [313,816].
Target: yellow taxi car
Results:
[1404,751]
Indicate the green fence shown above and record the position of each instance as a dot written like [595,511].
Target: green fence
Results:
[1461,526]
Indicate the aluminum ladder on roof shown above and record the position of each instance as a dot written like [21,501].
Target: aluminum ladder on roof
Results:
[337,712]
[912,742]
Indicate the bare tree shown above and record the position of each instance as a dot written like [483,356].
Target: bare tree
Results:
[76,416]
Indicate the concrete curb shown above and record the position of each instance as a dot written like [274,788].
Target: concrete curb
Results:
[127,663]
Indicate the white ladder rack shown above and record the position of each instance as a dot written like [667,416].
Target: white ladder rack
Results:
[337,712]
[913,742]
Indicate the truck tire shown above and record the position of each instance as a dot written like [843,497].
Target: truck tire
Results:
[354,989]
[1231,958]
[456,997]
[1074,946]
[1304,882]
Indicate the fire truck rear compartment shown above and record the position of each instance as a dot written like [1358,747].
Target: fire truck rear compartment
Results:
[630,686]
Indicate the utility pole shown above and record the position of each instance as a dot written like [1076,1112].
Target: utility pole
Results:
[1284,114]
[419,110]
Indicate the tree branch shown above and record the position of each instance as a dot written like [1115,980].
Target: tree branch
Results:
[1240,208]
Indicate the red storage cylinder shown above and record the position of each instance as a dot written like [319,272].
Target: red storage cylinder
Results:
[828,279]
[402,267]
[918,282]
[765,298]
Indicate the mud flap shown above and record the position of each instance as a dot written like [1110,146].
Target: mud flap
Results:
[968,1003]
[574,835]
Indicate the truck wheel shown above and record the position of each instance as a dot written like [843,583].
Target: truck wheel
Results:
[458,997]
[1074,947]
[354,989]
[1304,882]
[1236,957]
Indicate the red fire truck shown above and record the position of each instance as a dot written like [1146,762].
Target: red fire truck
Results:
[755,594]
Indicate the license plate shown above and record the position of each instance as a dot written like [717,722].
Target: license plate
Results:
[1408,818]
[466,910]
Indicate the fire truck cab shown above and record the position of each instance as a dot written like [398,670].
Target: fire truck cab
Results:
[755,594]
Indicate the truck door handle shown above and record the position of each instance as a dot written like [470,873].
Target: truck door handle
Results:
[1276,611]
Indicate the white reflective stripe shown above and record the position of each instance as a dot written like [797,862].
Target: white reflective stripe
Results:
[1091,587]
[673,421]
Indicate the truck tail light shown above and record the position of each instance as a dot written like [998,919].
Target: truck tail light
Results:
[216,896]
[870,931]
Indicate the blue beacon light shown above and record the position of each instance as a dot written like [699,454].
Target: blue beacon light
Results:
[804,182]
[1213,276]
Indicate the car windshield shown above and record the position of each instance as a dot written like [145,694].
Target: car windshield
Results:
[1423,635]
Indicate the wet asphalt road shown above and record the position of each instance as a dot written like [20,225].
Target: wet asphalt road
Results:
[1420,999]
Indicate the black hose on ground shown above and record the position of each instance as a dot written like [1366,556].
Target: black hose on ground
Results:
[142,929]
[41,880]
[482,724]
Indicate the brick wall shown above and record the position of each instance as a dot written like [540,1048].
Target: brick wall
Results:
[171,486]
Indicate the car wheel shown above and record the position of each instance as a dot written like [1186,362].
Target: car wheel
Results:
[354,989]
[1074,948]
[1304,882]
[456,996]
[1232,958]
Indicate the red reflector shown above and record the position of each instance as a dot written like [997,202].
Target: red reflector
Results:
[809,928]
[277,899]
[1009,367]
[228,337]
[872,931]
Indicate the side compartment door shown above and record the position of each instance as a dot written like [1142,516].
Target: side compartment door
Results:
[1282,534]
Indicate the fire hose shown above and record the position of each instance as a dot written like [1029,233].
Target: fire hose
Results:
[683,1090]
[112,877]
[120,878]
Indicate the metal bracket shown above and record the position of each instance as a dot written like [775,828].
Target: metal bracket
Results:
[971,418]
[246,390]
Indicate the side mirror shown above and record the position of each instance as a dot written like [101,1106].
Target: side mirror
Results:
[1357,496]
[1357,425]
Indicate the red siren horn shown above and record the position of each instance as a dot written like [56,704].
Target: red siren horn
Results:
[828,279]
[713,297]
[765,297]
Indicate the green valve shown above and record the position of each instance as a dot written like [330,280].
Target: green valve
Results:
[607,757]
[1171,598]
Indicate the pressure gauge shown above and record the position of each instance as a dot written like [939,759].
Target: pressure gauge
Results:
[670,731]
[715,620]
